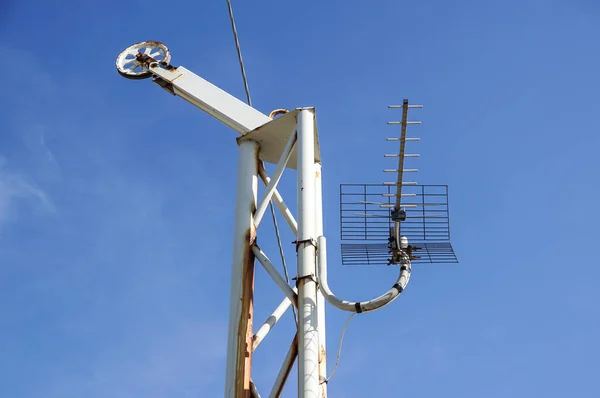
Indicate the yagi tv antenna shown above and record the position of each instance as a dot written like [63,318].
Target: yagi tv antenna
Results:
[398,220]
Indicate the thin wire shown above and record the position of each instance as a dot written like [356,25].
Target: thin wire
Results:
[243,69]
[285,270]
[337,361]
[239,52]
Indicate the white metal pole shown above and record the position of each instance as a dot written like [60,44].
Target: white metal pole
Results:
[320,298]
[239,342]
[308,334]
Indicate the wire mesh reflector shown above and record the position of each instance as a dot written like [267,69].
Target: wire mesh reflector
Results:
[365,212]
[379,253]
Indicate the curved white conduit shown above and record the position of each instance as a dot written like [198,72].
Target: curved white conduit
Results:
[358,306]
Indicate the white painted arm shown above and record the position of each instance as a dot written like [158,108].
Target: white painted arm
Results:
[211,99]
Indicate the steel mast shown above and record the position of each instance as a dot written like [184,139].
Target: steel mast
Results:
[289,142]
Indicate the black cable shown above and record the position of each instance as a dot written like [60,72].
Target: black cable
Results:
[285,271]
[243,69]
[239,52]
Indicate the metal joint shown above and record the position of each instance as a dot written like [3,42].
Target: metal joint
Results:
[312,277]
[310,240]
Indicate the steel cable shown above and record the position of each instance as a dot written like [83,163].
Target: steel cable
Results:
[249,100]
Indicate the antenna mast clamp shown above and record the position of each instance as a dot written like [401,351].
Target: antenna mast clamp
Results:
[300,242]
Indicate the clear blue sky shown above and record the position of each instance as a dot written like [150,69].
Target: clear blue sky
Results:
[116,199]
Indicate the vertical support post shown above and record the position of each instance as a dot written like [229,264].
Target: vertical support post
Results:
[239,341]
[320,298]
[308,332]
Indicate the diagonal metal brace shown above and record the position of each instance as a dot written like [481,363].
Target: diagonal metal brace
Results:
[275,275]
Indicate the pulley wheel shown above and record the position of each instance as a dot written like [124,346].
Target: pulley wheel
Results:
[129,67]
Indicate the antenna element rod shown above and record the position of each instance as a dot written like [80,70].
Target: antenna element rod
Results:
[401,157]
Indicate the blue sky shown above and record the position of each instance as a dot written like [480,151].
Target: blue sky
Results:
[116,199]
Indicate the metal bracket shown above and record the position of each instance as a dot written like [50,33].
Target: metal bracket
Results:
[312,277]
[398,215]
[310,240]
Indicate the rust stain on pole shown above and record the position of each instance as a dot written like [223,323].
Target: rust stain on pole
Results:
[244,357]
[322,370]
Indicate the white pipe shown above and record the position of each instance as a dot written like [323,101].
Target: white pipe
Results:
[283,160]
[320,298]
[308,333]
[242,272]
[275,275]
[362,306]
[270,323]
[285,211]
